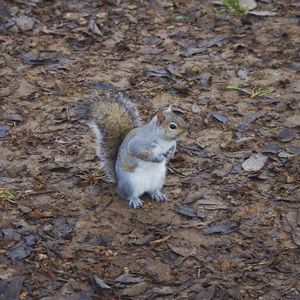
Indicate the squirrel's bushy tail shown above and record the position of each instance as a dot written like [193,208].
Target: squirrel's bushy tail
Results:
[111,116]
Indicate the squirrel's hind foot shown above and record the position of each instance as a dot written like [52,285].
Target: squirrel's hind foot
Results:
[158,196]
[135,202]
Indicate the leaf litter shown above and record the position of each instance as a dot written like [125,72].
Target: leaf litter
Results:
[232,219]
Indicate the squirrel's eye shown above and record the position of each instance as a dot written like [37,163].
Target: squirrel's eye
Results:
[173,126]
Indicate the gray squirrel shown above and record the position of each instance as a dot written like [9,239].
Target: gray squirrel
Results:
[132,155]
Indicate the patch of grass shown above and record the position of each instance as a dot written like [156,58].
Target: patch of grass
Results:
[7,196]
[253,93]
[233,7]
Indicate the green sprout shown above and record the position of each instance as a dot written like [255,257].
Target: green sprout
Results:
[233,6]
[7,195]
[253,93]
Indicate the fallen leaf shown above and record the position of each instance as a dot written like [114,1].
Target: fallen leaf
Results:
[74,16]
[40,61]
[13,117]
[202,292]
[4,131]
[25,89]
[4,13]
[128,278]
[20,252]
[272,148]
[212,204]
[294,149]
[225,228]
[161,291]
[211,42]
[11,288]
[243,74]
[100,283]
[188,211]
[292,219]
[158,73]
[220,117]
[192,197]
[182,251]
[285,136]
[93,27]
[131,18]
[191,51]
[11,234]
[175,70]
[293,121]
[204,81]
[135,290]
[144,240]
[262,13]
[98,85]
[294,65]
[248,4]
[254,163]
[25,23]
[149,50]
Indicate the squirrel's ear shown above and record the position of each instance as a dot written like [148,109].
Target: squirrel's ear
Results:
[169,109]
[160,117]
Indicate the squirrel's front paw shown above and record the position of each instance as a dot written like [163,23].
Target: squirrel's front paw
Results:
[158,196]
[135,202]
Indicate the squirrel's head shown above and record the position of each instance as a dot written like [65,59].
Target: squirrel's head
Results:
[172,124]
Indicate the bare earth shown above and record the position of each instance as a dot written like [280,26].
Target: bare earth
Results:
[231,226]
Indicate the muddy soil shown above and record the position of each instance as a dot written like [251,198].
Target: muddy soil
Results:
[231,226]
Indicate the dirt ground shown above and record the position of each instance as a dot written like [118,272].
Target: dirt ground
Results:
[231,226]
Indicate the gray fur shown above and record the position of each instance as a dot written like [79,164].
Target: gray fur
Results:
[136,144]
[87,111]
[169,155]
[140,164]
[101,153]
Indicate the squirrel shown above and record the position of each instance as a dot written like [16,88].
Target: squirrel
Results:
[132,155]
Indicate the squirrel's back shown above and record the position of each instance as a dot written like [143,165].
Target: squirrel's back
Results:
[111,115]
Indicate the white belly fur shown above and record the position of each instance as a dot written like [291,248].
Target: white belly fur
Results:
[150,176]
